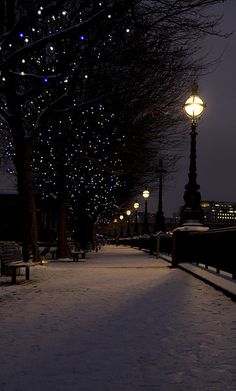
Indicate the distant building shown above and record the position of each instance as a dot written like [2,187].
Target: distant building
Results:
[7,180]
[10,228]
[219,213]
[9,210]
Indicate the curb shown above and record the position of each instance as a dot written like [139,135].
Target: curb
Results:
[226,286]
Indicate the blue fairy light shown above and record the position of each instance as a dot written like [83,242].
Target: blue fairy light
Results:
[82,37]
[45,80]
[21,34]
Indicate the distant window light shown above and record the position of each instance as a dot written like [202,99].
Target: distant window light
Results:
[205,204]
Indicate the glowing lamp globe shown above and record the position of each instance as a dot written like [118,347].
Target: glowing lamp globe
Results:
[128,212]
[121,217]
[146,194]
[136,205]
[194,105]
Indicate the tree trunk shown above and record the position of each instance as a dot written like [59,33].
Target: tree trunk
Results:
[23,164]
[92,233]
[23,160]
[63,250]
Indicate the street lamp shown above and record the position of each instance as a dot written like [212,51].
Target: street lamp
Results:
[145,230]
[136,206]
[191,213]
[121,226]
[128,234]
[115,231]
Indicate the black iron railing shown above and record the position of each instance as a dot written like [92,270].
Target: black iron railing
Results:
[215,248]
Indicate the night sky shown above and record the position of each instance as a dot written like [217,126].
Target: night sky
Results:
[216,141]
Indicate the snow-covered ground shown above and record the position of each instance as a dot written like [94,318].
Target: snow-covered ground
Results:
[121,321]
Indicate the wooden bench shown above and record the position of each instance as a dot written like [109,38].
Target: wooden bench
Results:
[76,252]
[11,261]
[44,251]
[53,252]
[48,250]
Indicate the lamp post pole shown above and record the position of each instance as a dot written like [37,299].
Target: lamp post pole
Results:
[136,206]
[192,213]
[115,231]
[121,226]
[160,219]
[145,230]
[128,234]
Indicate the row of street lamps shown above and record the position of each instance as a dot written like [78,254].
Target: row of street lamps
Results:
[191,212]
[136,206]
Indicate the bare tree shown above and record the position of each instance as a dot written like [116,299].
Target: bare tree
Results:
[38,48]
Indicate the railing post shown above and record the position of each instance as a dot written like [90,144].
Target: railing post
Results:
[174,249]
[158,237]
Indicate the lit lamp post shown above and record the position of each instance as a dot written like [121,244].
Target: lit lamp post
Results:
[115,231]
[145,230]
[121,226]
[128,234]
[136,206]
[191,213]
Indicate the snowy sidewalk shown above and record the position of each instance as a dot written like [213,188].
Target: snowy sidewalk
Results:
[222,281]
[121,321]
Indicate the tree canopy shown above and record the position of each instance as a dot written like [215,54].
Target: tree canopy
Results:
[90,92]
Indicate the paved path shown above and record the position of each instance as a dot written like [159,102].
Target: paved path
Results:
[121,321]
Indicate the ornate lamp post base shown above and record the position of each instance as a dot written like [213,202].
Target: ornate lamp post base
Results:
[160,222]
[190,216]
[192,210]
